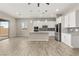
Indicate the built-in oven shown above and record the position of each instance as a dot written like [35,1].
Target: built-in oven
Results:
[36,29]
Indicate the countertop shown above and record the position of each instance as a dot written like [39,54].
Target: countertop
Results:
[39,32]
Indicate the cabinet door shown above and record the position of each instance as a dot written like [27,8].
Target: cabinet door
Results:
[66,38]
[66,21]
[72,19]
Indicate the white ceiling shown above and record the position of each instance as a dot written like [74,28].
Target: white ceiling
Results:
[23,10]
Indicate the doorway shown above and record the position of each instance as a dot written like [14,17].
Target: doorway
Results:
[4,29]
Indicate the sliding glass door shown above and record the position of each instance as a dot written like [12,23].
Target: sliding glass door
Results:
[4,29]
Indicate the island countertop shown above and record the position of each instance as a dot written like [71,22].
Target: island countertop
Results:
[39,32]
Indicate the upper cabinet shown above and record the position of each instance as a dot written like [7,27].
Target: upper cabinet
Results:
[66,20]
[71,19]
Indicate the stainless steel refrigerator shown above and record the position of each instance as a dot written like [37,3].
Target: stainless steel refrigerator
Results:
[58,32]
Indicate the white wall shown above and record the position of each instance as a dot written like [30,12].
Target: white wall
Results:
[19,29]
[12,32]
[30,26]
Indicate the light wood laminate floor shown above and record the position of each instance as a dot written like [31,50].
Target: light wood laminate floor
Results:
[22,47]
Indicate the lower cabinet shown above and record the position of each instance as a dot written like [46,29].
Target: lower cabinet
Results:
[66,38]
[71,40]
[51,33]
[75,41]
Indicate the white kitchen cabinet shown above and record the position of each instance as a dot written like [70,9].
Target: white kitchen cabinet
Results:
[71,19]
[66,21]
[75,41]
[51,33]
[66,38]
[71,40]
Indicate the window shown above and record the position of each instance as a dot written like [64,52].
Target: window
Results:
[4,24]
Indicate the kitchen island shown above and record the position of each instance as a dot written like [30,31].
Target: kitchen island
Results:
[38,36]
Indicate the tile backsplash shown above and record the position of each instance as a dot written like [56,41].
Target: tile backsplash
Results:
[72,30]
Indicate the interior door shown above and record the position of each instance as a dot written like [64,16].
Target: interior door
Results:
[4,29]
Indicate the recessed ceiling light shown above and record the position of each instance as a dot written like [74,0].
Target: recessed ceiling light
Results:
[57,9]
[45,10]
[19,13]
